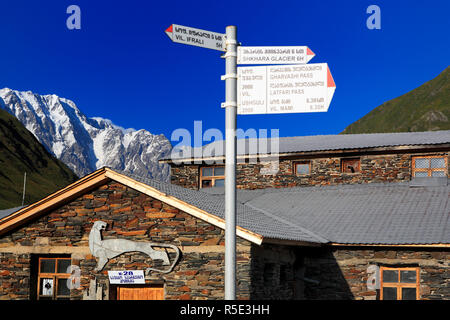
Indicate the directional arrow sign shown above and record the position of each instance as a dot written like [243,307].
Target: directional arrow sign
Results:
[285,89]
[274,55]
[196,37]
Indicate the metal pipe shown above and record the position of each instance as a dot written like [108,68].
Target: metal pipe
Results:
[230,162]
[24,186]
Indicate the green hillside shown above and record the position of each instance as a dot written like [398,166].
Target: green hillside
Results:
[21,152]
[426,108]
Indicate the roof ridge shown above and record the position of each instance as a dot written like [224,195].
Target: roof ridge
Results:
[213,197]
[324,142]
[336,135]
[312,234]
[332,186]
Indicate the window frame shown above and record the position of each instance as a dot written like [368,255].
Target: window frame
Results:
[429,170]
[295,163]
[343,160]
[213,178]
[55,276]
[400,285]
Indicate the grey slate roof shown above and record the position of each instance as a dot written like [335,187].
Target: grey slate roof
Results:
[246,217]
[7,212]
[392,213]
[376,213]
[331,142]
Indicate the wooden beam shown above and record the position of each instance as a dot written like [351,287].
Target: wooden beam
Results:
[291,242]
[100,177]
[419,149]
[179,204]
[54,200]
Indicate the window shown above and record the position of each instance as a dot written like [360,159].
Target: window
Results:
[52,279]
[302,168]
[212,177]
[399,283]
[429,166]
[350,165]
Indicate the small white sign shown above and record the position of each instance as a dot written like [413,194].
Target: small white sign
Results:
[196,37]
[126,277]
[285,89]
[274,55]
[47,287]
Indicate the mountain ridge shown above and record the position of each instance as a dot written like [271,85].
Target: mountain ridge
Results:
[21,152]
[86,144]
[425,108]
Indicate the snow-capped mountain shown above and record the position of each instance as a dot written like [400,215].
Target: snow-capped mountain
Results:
[86,144]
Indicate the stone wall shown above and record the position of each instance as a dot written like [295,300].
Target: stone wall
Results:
[14,276]
[273,273]
[325,170]
[185,175]
[342,272]
[129,215]
[268,271]
[263,272]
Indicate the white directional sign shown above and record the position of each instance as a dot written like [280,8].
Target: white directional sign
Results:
[126,277]
[274,55]
[196,37]
[284,89]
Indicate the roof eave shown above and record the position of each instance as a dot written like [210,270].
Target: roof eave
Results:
[68,193]
[288,242]
[100,177]
[184,206]
[395,148]
[403,245]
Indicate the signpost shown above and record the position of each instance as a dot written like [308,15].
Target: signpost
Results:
[230,105]
[285,89]
[296,87]
[228,43]
[196,37]
[274,55]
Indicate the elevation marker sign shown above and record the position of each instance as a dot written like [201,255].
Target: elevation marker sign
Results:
[196,37]
[285,89]
[274,55]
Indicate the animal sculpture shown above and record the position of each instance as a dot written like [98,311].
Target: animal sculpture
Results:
[104,250]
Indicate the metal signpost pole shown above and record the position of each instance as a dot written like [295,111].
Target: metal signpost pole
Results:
[312,95]
[230,162]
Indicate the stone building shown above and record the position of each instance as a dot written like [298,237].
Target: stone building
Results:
[327,238]
[68,235]
[404,160]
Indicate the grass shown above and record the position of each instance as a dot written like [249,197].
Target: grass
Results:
[426,108]
[21,152]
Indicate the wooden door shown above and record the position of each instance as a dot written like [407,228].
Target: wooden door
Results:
[140,293]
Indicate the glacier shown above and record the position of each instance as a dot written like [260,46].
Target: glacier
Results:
[87,144]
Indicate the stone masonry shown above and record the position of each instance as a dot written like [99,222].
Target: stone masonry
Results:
[138,217]
[268,271]
[342,272]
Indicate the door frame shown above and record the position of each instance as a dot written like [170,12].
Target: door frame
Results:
[114,288]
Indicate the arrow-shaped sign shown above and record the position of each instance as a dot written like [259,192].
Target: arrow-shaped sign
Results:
[196,37]
[274,55]
[285,89]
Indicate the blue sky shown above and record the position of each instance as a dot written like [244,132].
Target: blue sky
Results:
[122,66]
